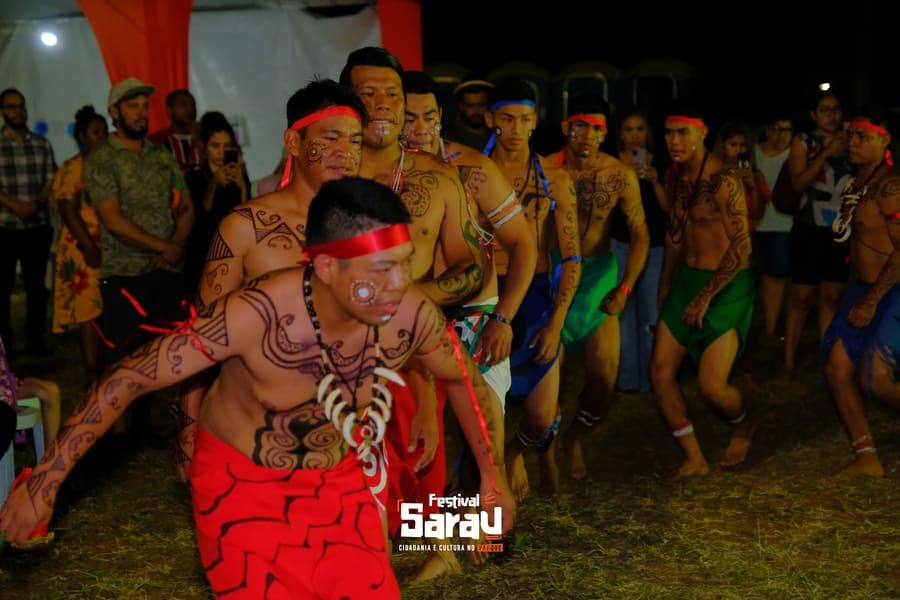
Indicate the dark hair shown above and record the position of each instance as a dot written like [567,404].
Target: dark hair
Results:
[513,89]
[419,82]
[875,114]
[322,93]
[635,111]
[352,205]
[7,92]
[589,104]
[83,119]
[173,95]
[686,107]
[213,122]
[369,56]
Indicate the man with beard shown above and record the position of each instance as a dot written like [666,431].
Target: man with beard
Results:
[181,136]
[27,169]
[471,103]
[141,200]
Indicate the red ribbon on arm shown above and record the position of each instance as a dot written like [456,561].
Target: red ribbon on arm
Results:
[185,327]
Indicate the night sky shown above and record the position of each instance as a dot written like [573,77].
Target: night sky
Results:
[746,60]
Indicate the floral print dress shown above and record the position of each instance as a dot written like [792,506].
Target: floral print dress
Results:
[76,286]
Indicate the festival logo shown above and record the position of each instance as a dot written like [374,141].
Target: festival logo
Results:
[450,523]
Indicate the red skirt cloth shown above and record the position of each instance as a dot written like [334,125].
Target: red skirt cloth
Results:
[287,533]
[404,484]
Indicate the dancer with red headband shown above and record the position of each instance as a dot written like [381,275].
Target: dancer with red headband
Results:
[448,265]
[707,288]
[482,323]
[862,345]
[281,501]
[549,204]
[602,183]
[323,141]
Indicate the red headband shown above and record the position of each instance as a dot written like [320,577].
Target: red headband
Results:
[860,124]
[362,244]
[689,120]
[331,111]
[599,121]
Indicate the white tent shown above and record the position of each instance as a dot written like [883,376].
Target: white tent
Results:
[243,62]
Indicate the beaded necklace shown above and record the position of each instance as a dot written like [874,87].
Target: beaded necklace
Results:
[842,226]
[360,430]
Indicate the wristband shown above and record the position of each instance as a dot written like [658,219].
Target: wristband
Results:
[497,316]
[625,288]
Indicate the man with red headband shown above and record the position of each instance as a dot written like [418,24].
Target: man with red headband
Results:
[862,345]
[482,323]
[281,499]
[448,265]
[323,141]
[602,183]
[548,201]
[707,288]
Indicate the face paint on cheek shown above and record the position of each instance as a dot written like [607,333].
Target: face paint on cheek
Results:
[363,292]
[315,153]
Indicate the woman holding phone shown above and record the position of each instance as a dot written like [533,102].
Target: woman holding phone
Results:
[638,320]
[216,186]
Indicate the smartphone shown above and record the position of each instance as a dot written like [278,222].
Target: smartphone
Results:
[639,156]
[231,156]
[743,160]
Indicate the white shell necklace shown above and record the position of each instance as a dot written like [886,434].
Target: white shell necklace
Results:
[360,431]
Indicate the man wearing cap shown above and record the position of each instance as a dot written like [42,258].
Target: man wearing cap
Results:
[471,103]
[281,501]
[707,287]
[27,168]
[140,197]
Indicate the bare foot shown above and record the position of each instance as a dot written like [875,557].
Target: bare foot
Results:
[691,468]
[866,463]
[549,471]
[518,477]
[439,563]
[741,436]
[574,457]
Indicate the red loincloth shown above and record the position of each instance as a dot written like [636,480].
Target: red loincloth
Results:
[404,483]
[287,533]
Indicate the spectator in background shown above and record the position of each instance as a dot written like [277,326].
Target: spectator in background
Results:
[138,191]
[181,136]
[471,103]
[219,184]
[772,244]
[638,321]
[76,287]
[733,144]
[818,168]
[27,168]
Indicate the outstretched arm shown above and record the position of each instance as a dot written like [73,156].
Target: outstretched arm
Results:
[477,409]
[156,365]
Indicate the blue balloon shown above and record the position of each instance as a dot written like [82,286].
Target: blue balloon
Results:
[41,127]
[70,129]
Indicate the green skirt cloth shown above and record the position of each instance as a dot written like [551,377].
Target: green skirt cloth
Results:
[731,308]
[598,276]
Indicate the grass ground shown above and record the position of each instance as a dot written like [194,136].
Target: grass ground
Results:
[777,527]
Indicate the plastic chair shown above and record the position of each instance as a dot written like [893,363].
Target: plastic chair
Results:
[28,416]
